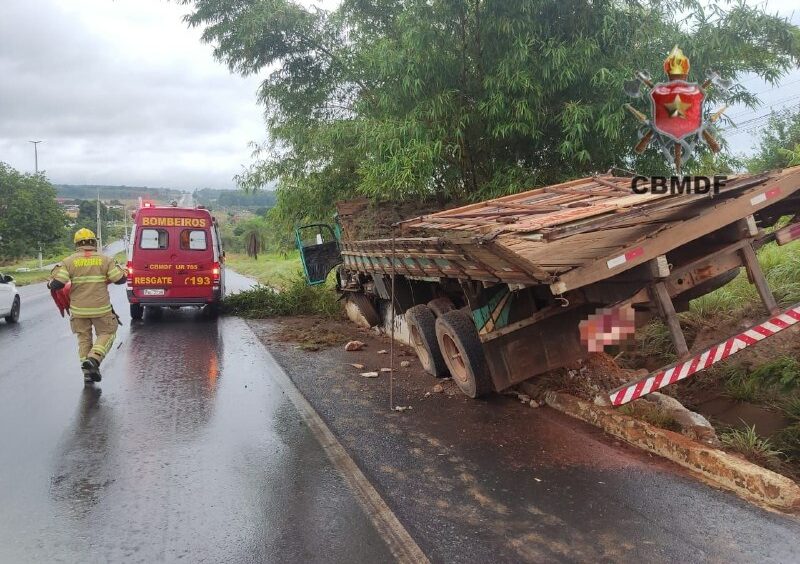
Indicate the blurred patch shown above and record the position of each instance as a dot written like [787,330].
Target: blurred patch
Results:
[607,326]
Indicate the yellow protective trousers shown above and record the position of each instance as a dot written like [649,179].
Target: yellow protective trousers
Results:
[105,327]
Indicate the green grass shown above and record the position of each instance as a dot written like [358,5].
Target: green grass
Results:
[652,415]
[35,275]
[756,449]
[781,266]
[788,441]
[274,270]
[295,297]
[739,385]
[791,407]
[733,302]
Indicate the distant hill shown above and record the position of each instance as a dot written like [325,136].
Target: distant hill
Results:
[89,192]
[221,199]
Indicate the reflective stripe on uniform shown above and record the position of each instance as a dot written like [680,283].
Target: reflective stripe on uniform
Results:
[88,280]
[115,273]
[90,311]
[61,275]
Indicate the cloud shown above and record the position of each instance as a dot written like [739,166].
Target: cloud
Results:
[122,93]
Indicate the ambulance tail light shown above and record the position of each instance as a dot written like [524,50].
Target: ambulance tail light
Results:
[215,272]
[129,270]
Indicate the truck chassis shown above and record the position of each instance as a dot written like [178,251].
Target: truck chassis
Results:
[527,269]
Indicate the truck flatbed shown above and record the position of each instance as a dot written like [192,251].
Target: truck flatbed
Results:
[499,291]
[568,235]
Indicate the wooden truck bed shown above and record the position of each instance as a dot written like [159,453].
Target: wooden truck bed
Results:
[569,235]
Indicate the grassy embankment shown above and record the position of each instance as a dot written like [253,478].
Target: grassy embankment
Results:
[767,376]
[35,275]
[283,289]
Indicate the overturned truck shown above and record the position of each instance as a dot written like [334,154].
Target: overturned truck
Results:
[495,292]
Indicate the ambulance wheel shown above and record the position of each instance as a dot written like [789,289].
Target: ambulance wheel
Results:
[13,316]
[422,329]
[463,353]
[137,311]
[212,310]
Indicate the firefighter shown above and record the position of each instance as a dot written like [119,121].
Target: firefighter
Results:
[89,273]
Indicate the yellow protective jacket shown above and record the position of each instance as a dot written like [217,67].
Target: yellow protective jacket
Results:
[89,272]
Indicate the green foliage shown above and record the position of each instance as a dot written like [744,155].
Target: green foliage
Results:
[791,406]
[747,442]
[29,214]
[273,269]
[766,382]
[740,385]
[788,440]
[465,99]
[783,371]
[780,143]
[781,266]
[294,298]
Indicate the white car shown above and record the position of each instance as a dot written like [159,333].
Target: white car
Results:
[9,299]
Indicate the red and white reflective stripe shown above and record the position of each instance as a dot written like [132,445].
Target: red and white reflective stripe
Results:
[622,259]
[764,196]
[721,351]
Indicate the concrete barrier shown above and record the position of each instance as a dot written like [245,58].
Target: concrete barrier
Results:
[729,472]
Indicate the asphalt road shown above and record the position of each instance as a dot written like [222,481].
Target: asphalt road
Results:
[196,448]
[188,450]
[497,481]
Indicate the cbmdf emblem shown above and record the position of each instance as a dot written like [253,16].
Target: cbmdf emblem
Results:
[677,120]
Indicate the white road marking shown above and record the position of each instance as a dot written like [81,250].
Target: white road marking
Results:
[402,546]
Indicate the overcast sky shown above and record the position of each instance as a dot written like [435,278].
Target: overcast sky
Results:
[122,92]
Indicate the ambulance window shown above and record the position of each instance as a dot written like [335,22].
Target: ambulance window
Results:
[193,240]
[154,239]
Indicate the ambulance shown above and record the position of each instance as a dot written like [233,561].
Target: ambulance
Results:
[175,259]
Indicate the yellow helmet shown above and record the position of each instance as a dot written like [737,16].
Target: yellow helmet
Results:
[84,235]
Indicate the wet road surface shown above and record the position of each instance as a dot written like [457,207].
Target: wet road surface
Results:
[496,481]
[188,450]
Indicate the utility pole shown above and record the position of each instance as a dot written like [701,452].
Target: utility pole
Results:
[99,225]
[125,224]
[36,154]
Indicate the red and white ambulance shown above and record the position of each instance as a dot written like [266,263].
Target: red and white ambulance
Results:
[175,259]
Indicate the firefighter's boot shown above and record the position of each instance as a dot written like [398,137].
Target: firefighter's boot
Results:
[91,368]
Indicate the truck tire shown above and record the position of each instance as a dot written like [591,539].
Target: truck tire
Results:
[137,311]
[440,306]
[365,308]
[463,353]
[422,329]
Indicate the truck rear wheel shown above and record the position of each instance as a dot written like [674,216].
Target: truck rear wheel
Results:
[365,308]
[137,311]
[422,328]
[463,352]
